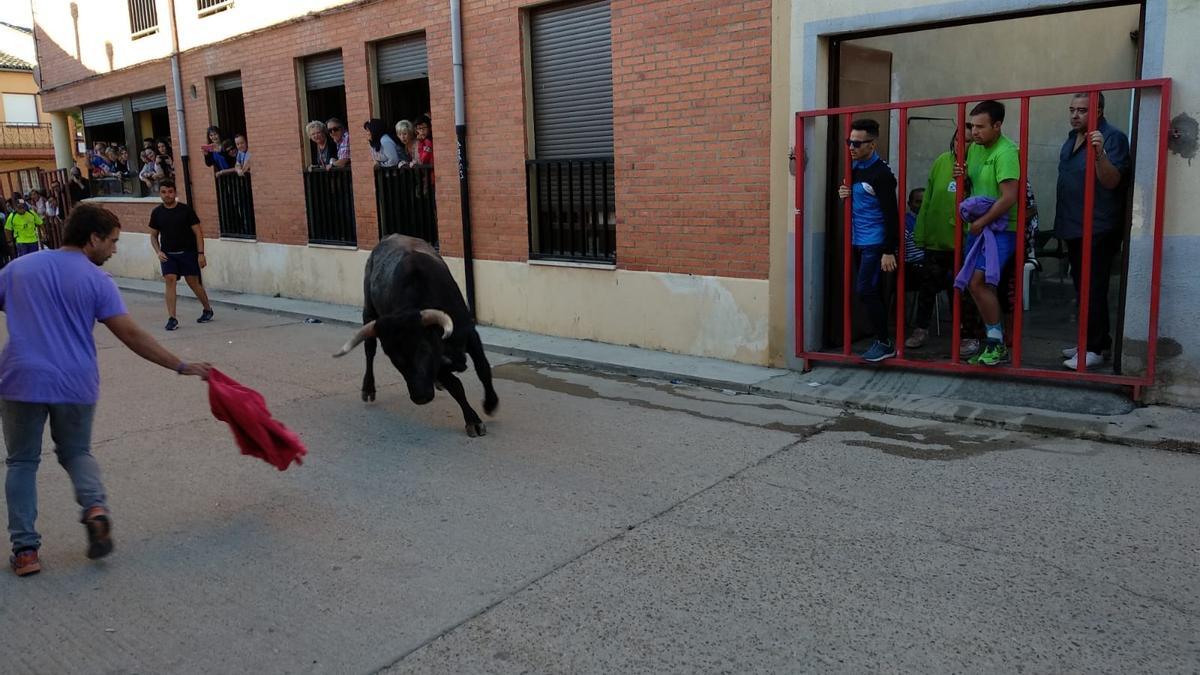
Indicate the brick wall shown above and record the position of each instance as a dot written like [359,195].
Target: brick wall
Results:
[692,102]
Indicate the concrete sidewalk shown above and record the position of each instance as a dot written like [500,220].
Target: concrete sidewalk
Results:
[1043,408]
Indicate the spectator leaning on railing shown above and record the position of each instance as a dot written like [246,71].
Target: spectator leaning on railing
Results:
[384,151]
[325,151]
[166,163]
[243,154]
[407,147]
[337,131]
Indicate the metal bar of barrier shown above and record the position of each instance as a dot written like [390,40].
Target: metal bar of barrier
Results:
[798,281]
[1089,205]
[902,209]
[847,241]
[960,160]
[1002,95]
[1022,218]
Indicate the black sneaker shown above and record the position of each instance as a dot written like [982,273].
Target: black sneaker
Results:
[172,323]
[205,316]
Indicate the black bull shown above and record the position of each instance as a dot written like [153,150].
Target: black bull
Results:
[412,306]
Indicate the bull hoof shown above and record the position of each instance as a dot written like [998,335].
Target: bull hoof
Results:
[476,429]
[490,406]
[368,396]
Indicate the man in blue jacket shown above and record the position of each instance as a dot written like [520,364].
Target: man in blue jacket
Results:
[876,218]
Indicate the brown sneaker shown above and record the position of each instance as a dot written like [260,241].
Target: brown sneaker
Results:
[25,563]
[99,532]
[918,338]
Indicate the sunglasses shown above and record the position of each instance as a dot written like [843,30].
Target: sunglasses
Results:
[335,128]
[858,144]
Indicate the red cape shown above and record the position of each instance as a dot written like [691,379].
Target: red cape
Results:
[256,432]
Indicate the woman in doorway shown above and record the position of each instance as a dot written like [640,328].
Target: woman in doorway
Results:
[326,151]
[407,147]
[212,149]
[384,151]
[77,186]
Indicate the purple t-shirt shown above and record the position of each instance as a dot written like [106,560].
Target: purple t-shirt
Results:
[52,300]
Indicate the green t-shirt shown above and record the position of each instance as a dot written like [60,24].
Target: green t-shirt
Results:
[989,167]
[24,226]
[935,222]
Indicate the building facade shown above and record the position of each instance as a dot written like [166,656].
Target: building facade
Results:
[627,162]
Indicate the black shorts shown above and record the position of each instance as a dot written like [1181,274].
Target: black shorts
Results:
[185,264]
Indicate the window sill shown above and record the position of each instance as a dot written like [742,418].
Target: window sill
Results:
[335,247]
[241,240]
[577,265]
[123,200]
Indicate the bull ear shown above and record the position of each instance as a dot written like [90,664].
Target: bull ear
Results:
[436,317]
[367,331]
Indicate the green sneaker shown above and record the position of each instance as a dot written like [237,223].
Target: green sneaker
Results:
[993,355]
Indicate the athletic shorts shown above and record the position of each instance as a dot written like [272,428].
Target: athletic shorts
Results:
[1006,244]
[185,264]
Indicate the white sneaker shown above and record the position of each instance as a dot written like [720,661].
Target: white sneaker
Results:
[1070,352]
[1091,360]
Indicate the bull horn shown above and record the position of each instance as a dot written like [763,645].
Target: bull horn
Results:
[436,317]
[367,331]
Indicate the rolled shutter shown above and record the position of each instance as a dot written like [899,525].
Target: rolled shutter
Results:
[149,100]
[402,59]
[228,82]
[107,112]
[572,81]
[323,71]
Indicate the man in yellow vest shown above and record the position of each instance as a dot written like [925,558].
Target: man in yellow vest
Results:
[24,225]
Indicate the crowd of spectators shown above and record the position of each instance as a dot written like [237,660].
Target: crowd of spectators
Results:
[27,218]
[226,155]
[409,144]
[111,169]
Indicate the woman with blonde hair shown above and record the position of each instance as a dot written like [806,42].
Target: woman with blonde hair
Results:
[326,150]
[407,135]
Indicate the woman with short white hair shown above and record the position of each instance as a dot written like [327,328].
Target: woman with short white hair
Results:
[325,152]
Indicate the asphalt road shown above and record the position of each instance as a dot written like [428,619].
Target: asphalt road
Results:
[605,524]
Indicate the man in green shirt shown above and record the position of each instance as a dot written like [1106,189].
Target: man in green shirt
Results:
[24,225]
[994,169]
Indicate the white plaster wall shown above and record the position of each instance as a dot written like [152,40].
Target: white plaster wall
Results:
[705,316]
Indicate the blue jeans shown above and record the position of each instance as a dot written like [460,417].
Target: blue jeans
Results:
[867,288]
[26,249]
[71,429]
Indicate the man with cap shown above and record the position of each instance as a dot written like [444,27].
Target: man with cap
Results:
[24,224]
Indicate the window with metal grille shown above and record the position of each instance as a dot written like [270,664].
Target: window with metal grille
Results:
[143,18]
[206,7]
[570,185]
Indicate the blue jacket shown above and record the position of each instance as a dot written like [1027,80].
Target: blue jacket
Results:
[874,208]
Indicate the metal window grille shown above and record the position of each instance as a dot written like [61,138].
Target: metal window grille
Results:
[572,212]
[143,18]
[206,7]
[329,198]
[405,201]
[235,206]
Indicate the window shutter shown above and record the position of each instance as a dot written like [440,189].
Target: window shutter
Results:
[572,81]
[103,113]
[228,82]
[402,59]
[323,71]
[149,100]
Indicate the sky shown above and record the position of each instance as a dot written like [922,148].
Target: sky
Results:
[17,12]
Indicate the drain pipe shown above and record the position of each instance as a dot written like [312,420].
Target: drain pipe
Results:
[180,118]
[460,131]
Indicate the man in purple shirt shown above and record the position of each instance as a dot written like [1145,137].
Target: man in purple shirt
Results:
[48,369]
[342,137]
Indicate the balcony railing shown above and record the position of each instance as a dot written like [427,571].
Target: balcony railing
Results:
[26,137]
[572,209]
[206,7]
[235,206]
[143,18]
[329,198]
[405,201]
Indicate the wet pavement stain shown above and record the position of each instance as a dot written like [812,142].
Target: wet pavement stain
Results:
[926,442]
[537,375]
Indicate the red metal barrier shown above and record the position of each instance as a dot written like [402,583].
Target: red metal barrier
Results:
[955,364]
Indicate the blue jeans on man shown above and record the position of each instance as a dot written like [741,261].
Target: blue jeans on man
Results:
[867,287]
[71,431]
[26,249]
